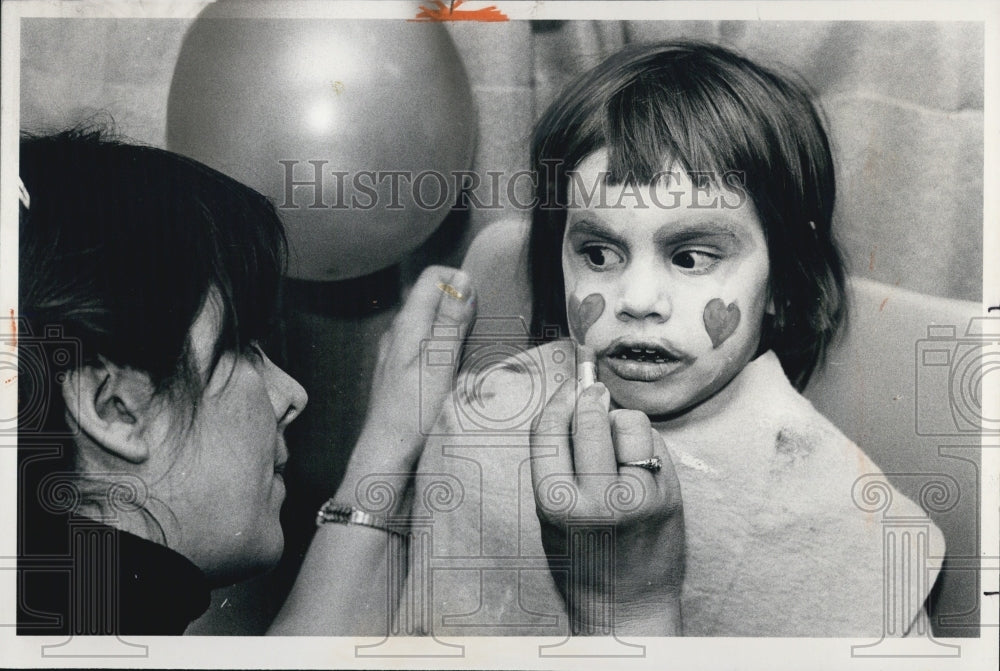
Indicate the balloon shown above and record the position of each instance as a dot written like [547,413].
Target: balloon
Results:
[354,128]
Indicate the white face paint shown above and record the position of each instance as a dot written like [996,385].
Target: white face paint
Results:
[683,275]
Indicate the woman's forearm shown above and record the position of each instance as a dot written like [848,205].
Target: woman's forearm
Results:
[343,587]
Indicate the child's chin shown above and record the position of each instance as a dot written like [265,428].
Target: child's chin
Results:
[648,399]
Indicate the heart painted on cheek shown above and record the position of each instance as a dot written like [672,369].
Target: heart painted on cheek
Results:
[584,314]
[721,321]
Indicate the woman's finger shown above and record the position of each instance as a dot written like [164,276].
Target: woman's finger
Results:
[631,431]
[667,481]
[383,352]
[441,296]
[634,443]
[550,435]
[430,330]
[593,451]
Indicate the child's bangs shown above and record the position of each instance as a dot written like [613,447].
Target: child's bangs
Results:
[677,119]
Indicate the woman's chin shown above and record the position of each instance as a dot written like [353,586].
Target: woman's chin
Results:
[267,556]
[248,567]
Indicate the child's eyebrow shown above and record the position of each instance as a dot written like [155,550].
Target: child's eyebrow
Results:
[589,227]
[673,234]
[703,230]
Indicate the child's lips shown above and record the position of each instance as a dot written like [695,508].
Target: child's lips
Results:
[643,361]
[642,371]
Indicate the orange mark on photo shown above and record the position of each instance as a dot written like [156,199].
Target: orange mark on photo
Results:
[10,379]
[882,305]
[13,329]
[443,12]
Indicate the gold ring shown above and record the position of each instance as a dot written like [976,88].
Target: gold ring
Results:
[653,464]
[450,290]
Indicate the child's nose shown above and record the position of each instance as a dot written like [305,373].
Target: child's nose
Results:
[643,294]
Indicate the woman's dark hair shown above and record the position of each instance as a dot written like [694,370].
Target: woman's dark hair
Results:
[122,244]
[120,248]
[705,109]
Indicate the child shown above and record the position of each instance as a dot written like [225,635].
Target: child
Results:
[683,231]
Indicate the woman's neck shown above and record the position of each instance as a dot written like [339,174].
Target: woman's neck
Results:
[138,522]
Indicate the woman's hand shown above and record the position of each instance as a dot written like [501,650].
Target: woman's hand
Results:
[408,390]
[344,586]
[614,534]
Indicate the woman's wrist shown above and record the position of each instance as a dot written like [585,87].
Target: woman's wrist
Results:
[658,615]
[379,473]
[650,618]
[631,619]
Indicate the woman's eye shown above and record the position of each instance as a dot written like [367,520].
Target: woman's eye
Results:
[602,257]
[255,351]
[694,260]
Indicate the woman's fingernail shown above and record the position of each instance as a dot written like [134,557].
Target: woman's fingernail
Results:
[605,397]
[449,290]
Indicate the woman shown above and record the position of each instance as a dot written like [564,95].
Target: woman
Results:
[153,472]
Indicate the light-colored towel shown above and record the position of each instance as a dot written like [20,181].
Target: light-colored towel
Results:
[791,530]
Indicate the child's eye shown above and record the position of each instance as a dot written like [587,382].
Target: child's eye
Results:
[601,258]
[694,260]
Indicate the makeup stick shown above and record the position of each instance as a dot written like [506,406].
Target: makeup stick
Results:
[586,373]
[586,366]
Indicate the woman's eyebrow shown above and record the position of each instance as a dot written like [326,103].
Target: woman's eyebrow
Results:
[595,229]
[673,234]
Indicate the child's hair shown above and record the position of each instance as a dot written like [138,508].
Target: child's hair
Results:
[703,108]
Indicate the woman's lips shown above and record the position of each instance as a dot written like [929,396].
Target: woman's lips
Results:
[280,455]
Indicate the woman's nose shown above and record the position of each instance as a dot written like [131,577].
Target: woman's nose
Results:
[644,294]
[288,397]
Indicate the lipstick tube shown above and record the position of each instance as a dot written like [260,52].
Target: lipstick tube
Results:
[586,366]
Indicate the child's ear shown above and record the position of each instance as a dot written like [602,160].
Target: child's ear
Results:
[113,406]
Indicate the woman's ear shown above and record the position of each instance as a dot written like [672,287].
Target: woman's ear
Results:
[114,407]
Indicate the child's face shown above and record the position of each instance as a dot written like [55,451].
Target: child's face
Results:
[668,284]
